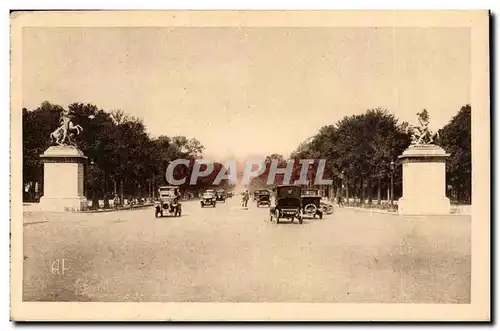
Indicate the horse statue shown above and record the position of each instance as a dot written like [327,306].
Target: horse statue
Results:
[64,134]
[421,135]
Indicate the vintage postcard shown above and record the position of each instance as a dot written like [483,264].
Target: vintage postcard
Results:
[250,166]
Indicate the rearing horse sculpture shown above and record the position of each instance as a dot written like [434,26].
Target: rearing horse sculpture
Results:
[63,134]
[422,135]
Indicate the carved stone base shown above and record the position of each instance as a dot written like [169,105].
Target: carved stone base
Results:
[433,206]
[63,204]
[424,181]
[64,168]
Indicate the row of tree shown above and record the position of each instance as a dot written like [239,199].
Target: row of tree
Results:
[361,153]
[123,158]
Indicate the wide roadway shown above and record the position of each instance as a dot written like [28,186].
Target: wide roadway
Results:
[232,254]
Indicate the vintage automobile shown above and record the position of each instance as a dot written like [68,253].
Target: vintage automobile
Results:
[229,194]
[208,199]
[220,195]
[168,202]
[311,203]
[327,207]
[256,194]
[287,203]
[264,198]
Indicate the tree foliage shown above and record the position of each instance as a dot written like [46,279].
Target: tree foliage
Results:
[122,157]
[455,138]
[358,151]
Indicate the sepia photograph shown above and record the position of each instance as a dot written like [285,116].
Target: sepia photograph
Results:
[237,165]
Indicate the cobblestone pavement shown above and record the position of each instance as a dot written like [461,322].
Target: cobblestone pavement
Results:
[229,254]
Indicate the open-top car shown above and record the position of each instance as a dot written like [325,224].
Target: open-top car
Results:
[287,203]
[311,203]
[220,195]
[327,207]
[168,202]
[264,198]
[208,198]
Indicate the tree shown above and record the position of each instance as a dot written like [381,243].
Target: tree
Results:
[455,138]
[120,151]
[167,149]
[37,126]
[358,150]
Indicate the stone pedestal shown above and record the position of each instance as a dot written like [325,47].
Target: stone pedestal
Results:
[424,181]
[63,179]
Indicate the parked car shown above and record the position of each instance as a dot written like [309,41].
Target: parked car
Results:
[311,203]
[287,204]
[208,199]
[168,203]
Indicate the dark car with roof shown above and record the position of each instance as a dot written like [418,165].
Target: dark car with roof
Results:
[288,204]
[168,203]
[311,203]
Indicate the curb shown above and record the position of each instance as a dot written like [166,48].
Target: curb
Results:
[395,213]
[371,210]
[118,209]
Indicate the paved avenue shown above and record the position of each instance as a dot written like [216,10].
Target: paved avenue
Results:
[228,254]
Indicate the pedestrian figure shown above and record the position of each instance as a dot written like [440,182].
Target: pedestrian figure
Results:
[116,201]
[245,198]
[340,201]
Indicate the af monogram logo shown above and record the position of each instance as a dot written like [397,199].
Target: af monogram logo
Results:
[60,267]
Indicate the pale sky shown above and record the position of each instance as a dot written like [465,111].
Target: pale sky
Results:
[249,91]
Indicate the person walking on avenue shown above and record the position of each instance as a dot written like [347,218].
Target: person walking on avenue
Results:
[116,202]
[245,198]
